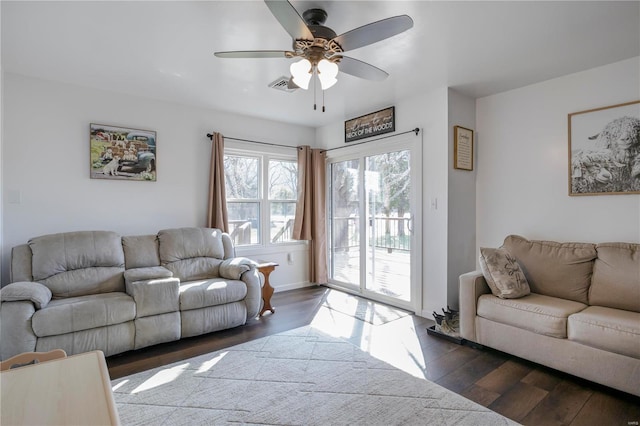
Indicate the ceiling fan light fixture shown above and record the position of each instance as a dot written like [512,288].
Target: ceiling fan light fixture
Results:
[327,72]
[301,72]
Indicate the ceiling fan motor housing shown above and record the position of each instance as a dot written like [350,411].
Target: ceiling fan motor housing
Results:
[320,31]
[314,16]
[322,46]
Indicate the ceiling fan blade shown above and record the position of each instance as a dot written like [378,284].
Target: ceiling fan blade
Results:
[289,18]
[252,54]
[374,32]
[360,69]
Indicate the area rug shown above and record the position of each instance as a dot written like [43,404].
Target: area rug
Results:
[299,377]
[362,309]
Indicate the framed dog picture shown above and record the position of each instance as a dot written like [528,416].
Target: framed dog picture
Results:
[604,150]
[122,153]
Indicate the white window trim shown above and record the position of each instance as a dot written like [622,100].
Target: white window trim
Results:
[264,201]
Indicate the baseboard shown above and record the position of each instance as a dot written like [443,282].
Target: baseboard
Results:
[293,286]
[426,314]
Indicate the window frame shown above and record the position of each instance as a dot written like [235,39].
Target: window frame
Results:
[263,201]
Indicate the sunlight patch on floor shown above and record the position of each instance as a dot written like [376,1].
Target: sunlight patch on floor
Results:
[395,343]
[161,378]
[208,365]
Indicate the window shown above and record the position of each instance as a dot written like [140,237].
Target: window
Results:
[261,195]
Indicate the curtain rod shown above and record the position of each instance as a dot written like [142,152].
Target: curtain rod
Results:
[416,131]
[210,136]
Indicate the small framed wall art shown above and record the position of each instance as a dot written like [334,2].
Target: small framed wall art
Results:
[122,153]
[604,150]
[462,148]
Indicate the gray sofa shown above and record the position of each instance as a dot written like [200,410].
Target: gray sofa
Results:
[88,290]
[582,315]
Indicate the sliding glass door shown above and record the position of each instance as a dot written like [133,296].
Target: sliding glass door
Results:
[373,201]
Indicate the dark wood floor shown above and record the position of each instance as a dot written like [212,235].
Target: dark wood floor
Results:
[522,391]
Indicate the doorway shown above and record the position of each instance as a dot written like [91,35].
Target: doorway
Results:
[374,200]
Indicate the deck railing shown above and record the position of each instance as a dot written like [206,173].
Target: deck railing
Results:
[242,230]
[392,233]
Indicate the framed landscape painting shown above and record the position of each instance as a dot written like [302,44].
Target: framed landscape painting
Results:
[122,153]
[604,150]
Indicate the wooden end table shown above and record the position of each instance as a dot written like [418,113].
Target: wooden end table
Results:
[265,269]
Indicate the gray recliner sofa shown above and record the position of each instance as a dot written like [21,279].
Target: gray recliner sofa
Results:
[88,290]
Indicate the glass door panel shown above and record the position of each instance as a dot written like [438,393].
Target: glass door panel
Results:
[388,245]
[345,222]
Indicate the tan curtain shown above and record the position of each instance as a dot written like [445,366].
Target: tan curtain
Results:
[217,211]
[310,220]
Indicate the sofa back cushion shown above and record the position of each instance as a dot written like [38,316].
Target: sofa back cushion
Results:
[141,251]
[616,277]
[555,269]
[191,253]
[78,263]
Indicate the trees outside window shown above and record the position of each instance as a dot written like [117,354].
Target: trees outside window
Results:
[261,195]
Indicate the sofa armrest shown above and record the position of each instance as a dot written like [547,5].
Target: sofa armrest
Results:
[472,286]
[232,269]
[253,299]
[154,290]
[246,270]
[33,292]
[148,273]
[20,300]
[15,328]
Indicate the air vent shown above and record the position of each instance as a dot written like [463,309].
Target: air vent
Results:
[282,83]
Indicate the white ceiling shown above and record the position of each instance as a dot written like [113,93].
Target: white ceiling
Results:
[164,50]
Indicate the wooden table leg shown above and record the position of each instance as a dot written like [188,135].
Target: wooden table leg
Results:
[267,291]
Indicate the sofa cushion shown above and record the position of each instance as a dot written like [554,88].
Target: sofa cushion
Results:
[78,263]
[141,251]
[204,293]
[144,274]
[191,253]
[503,274]
[186,243]
[535,312]
[555,269]
[199,268]
[613,330]
[82,313]
[616,277]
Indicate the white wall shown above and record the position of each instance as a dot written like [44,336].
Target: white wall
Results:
[523,161]
[461,241]
[45,166]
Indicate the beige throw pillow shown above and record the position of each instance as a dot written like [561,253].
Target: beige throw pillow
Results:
[503,273]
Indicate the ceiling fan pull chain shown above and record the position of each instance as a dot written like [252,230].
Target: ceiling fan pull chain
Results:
[314,94]
[323,101]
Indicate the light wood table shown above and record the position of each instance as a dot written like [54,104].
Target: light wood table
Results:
[265,269]
[75,390]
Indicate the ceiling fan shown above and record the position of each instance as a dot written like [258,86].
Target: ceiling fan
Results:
[320,49]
